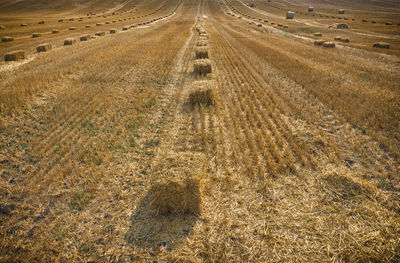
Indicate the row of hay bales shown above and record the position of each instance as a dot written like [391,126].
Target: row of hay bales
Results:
[55,31]
[310,11]
[20,54]
[324,43]
[258,24]
[177,188]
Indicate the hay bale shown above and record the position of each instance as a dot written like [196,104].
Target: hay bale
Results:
[373,22]
[99,24]
[318,34]
[2,27]
[176,196]
[364,20]
[15,55]
[177,183]
[71,19]
[85,37]
[328,44]
[125,28]
[60,20]
[201,93]
[289,15]
[107,22]
[24,24]
[310,9]
[319,42]
[342,39]
[34,35]
[87,26]
[388,23]
[201,52]
[113,31]
[44,47]
[41,22]
[55,31]
[341,11]
[202,43]
[69,41]
[72,28]
[100,34]
[7,39]
[381,45]
[202,66]
[339,26]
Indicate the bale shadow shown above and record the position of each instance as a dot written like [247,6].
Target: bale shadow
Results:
[150,231]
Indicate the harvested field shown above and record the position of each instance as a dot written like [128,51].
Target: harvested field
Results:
[206,131]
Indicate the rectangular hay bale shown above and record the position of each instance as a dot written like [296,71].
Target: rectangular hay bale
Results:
[44,47]
[15,55]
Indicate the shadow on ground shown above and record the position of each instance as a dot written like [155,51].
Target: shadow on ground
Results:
[151,231]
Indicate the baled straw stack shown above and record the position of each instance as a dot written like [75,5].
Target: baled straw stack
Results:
[85,37]
[318,34]
[34,35]
[44,47]
[202,43]
[201,92]
[69,41]
[342,39]
[201,52]
[113,31]
[72,28]
[328,45]
[382,45]
[125,28]
[15,55]
[177,183]
[55,31]
[7,39]
[101,33]
[319,42]
[202,66]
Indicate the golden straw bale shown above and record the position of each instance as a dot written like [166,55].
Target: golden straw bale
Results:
[15,55]
[41,22]
[85,37]
[176,196]
[7,39]
[318,34]
[113,31]
[44,47]
[55,31]
[87,26]
[202,43]
[202,66]
[72,28]
[125,28]
[34,35]
[2,27]
[382,45]
[319,42]
[342,39]
[24,24]
[60,20]
[201,52]
[99,24]
[101,33]
[177,183]
[69,41]
[201,92]
[328,44]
